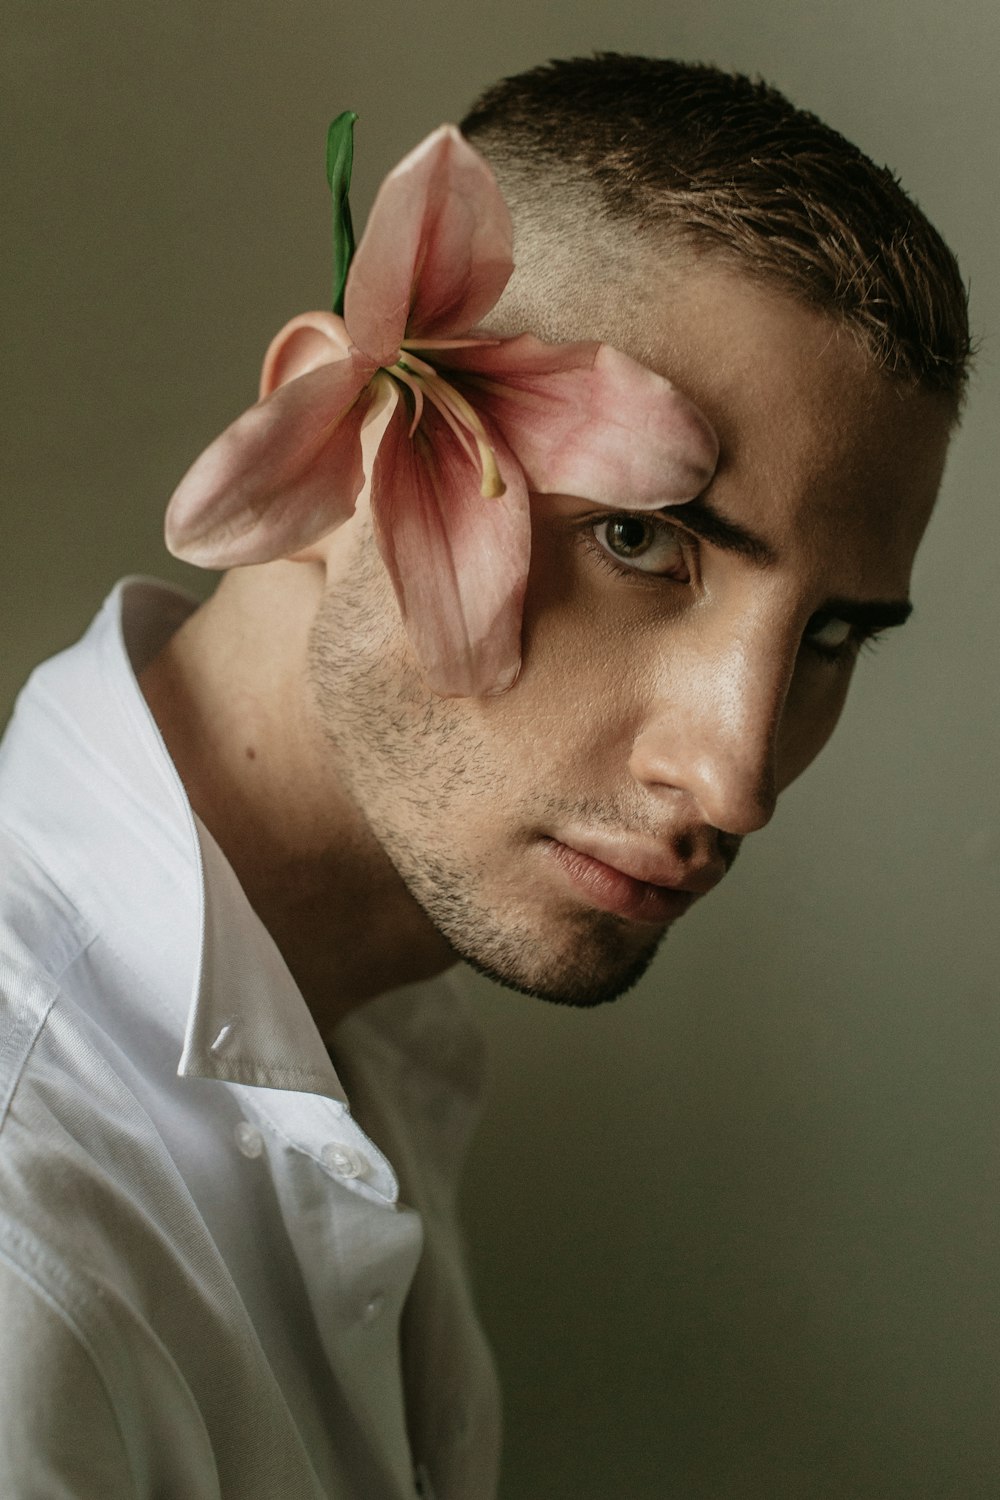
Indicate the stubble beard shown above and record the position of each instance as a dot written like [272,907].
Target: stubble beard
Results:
[400,750]
[591,959]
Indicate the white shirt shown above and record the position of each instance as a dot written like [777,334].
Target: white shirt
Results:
[210,1285]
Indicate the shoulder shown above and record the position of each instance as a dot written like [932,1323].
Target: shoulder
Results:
[73,1356]
[88,1407]
[97,1233]
[41,936]
[82,1166]
[41,930]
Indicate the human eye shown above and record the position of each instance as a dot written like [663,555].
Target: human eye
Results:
[836,639]
[645,544]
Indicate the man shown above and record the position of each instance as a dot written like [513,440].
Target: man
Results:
[241,842]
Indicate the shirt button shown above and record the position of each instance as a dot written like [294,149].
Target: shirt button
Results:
[372,1308]
[342,1160]
[249,1139]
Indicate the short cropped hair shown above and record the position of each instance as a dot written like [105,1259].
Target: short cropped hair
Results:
[689,156]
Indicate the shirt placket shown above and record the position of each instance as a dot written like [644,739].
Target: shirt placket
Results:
[357,1250]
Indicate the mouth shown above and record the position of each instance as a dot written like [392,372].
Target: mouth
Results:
[630,894]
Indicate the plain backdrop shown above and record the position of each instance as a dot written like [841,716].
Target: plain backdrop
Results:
[735,1236]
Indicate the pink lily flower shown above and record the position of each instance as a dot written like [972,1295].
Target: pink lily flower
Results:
[452,429]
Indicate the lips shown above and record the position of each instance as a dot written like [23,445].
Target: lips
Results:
[641,885]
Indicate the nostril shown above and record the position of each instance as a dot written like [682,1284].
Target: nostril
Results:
[684,846]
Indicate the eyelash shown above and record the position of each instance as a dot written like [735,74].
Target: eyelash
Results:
[859,640]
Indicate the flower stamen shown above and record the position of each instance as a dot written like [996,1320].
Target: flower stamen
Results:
[422,379]
[413,385]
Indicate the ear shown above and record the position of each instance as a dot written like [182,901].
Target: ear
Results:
[289,470]
[308,341]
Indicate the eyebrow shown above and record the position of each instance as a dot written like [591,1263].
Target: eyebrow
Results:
[701,518]
[704,521]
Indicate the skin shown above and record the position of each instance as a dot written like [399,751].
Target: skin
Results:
[380,831]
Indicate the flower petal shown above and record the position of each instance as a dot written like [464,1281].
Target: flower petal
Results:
[285,473]
[584,419]
[436,253]
[458,562]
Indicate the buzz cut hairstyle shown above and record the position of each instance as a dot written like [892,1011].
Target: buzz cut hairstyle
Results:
[687,156]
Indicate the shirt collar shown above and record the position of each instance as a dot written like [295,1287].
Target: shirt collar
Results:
[90,788]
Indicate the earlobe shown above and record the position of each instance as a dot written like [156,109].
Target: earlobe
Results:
[308,341]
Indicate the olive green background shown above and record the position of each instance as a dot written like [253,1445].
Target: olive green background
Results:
[735,1236]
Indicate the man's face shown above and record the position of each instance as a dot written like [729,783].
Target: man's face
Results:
[679,670]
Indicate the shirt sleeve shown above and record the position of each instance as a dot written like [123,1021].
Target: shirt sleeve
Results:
[59,1436]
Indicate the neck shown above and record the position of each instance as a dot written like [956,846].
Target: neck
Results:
[231,696]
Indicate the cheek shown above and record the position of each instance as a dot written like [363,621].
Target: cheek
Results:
[584,639]
[572,703]
[364,692]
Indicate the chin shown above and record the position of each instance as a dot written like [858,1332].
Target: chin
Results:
[578,981]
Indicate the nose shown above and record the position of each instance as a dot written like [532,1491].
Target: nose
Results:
[711,731]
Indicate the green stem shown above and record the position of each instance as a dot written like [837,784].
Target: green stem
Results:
[339,161]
